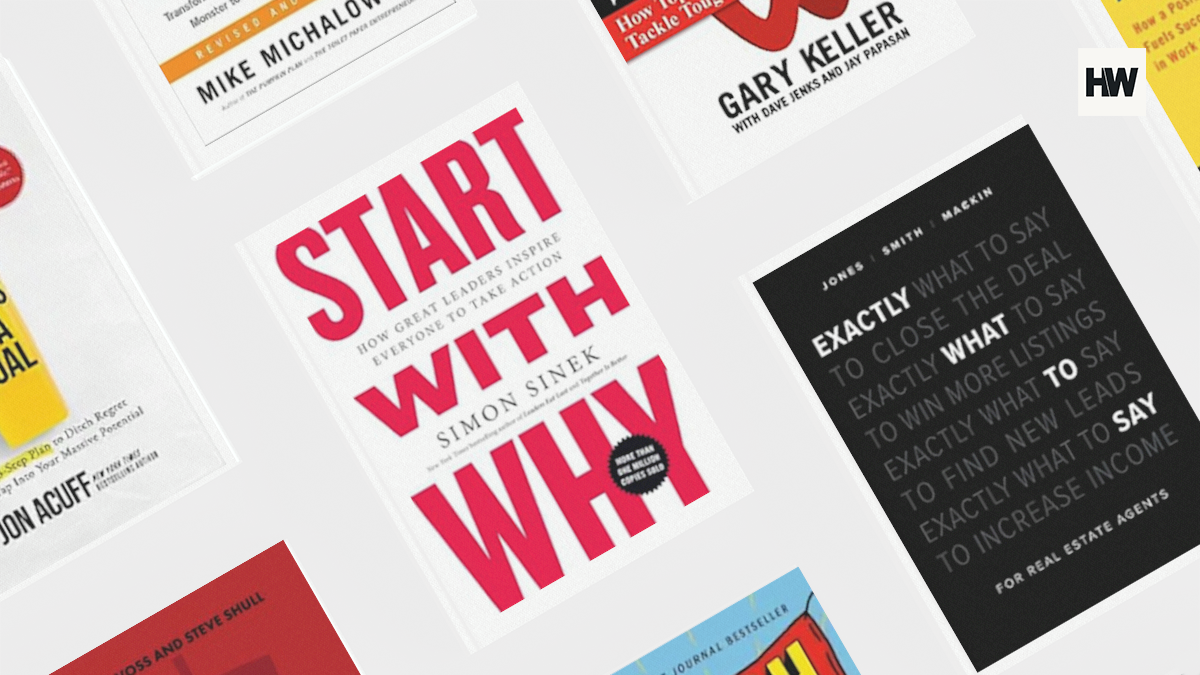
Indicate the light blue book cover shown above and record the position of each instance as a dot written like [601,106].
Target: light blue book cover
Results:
[781,629]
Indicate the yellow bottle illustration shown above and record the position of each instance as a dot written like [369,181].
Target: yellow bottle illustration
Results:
[30,403]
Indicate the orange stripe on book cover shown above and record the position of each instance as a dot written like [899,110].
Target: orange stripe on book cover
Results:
[229,38]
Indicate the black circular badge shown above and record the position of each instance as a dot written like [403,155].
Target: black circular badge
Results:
[638,465]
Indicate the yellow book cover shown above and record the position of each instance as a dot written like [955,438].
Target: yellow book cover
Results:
[1169,30]
[30,403]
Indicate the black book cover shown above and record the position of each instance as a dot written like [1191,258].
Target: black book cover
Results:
[999,393]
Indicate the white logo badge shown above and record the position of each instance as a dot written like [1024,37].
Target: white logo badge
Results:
[1112,82]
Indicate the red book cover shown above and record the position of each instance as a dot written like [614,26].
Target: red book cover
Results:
[260,618]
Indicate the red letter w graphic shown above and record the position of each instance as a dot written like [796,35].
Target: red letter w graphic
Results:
[775,32]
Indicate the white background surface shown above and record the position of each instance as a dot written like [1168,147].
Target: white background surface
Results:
[298,480]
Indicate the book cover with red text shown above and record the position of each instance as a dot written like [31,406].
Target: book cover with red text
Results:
[260,618]
[492,364]
[726,84]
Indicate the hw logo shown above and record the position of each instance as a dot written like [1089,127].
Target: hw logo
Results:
[775,32]
[1111,81]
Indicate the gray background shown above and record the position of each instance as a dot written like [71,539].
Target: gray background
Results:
[298,479]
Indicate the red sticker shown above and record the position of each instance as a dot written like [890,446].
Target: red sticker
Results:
[12,177]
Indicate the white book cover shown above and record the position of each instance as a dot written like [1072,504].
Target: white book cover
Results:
[494,368]
[99,423]
[225,74]
[726,84]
